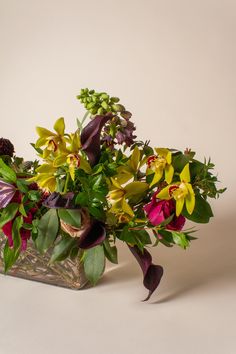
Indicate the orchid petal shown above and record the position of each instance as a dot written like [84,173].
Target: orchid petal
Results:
[59,160]
[157,176]
[84,165]
[169,173]
[135,188]
[190,199]
[72,171]
[116,183]
[164,193]
[126,208]
[179,205]
[59,126]
[185,174]
[44,133]
[135,159]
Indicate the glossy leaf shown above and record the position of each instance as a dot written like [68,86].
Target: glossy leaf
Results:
[62,249]
[110,251]
[94,263]
[7,173]
[202,211]
[70,216]
[8,213]
[47,230]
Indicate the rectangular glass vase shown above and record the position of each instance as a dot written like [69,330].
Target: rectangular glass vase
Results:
[32,265]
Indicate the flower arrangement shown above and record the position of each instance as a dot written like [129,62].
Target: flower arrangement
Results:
[100,185]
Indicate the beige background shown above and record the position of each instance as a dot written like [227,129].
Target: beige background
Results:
[172,63]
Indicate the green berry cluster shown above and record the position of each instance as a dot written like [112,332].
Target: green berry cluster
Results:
[100,102]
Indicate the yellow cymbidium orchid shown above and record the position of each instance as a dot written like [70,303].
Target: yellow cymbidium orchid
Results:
[46,177]
[70,156]
[181,191]
[161,164]
[52,141]
[129,170]
[118,196]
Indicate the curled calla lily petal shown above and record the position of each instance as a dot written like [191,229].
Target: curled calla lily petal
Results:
[93,235]
[7,192]
[90,137]
[152,273]
[57,200]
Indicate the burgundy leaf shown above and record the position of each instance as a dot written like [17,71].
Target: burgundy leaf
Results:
[7,192]
[152,273]
[90,137]
[93,235]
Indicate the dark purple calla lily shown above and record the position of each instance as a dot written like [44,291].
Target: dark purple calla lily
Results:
[93,235]
[90,137]
[7,192]
[152,273]
[57,201]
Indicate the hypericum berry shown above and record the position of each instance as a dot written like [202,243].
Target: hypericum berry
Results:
[6,147]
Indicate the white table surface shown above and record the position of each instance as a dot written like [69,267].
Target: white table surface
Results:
[192,312]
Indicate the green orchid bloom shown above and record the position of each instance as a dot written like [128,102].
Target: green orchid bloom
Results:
[45,177]
[70,156]
[131,167]
[161,164]
[118,196]
[181,191]
[50,140]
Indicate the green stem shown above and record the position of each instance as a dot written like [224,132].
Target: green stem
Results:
[66,182]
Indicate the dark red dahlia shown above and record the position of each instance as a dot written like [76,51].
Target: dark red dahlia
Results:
[6,147]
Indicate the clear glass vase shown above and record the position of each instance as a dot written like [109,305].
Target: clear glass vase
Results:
[32,265]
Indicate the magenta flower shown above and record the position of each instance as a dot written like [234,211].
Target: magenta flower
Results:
[7,192]
[159,210]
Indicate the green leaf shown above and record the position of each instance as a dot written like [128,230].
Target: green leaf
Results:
[202,211]
[34,195]
[94,263]
[180,239]
[63,248]
[179,160]
[22,210]
[47,230]
[11,254]
[97,212]
[7,173]
[110,251]
[8,213]
[74,252]
[70,216]
[81,199]
[135,237]
[17,224]
[8,256]
[22,186]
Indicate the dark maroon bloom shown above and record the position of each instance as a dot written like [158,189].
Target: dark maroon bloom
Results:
[152,273]
[91,137]
[6,147]
[57,201]
[24,234]
[125,133]
[159,210]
